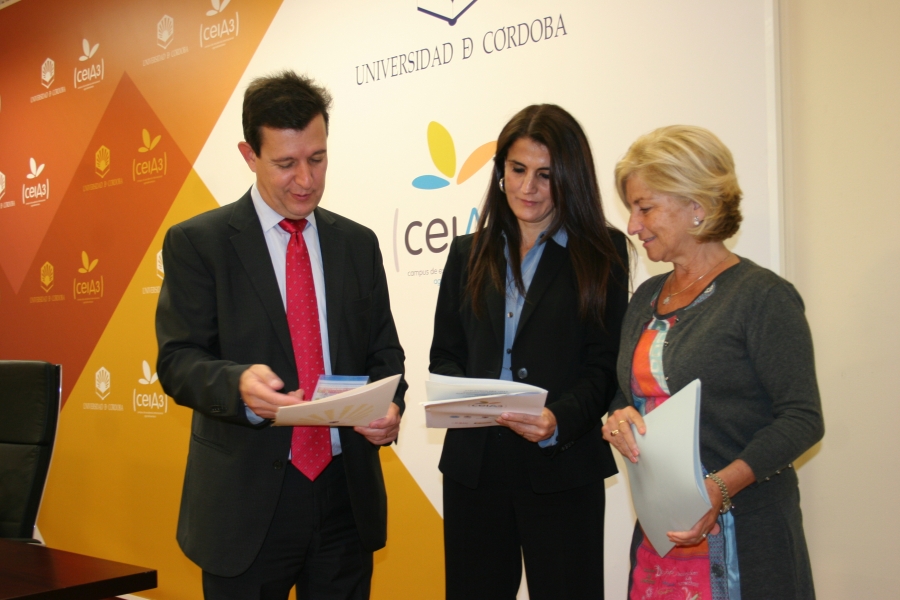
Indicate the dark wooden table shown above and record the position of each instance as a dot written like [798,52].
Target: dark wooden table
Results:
[38,572]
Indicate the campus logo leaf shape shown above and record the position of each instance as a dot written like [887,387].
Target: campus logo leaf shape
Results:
[48,71]
[443,155]
[148,377]
[35,168]
[88,265]
[165,29]
[217,7]
[148,143]
[88,50]
[47,276]
[102,160]
[102,381]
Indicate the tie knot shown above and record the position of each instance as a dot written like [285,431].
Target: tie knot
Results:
[293,226]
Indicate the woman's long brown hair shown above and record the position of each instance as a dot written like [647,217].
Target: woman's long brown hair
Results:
[576,197]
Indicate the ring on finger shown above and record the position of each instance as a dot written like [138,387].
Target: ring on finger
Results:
[614,432]
[622,421]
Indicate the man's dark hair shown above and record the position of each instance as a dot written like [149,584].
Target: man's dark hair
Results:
[284,100]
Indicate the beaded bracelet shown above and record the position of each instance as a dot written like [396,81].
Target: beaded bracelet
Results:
[726,499]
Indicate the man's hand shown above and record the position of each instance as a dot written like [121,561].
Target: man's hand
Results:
[259,387]
[382,431]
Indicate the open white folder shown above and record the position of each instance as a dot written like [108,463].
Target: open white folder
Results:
[356,407]
[667,483]
[461,402]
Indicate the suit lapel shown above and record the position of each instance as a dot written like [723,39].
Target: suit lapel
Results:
[552,262]
[250,245]
[332,243]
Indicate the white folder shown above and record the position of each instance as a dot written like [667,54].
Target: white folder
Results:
[355,407]
[667,483]
[462,402]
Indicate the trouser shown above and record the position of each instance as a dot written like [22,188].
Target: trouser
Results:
[312,544]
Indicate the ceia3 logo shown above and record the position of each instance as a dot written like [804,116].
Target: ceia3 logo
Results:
[102,161]
[146,402]
[102,383]
[153,167]
[90,75]
[165,31]
[417,235]
[446,10]
[35,193]
[48,73]
[224,29]
[443,155]
[88,286]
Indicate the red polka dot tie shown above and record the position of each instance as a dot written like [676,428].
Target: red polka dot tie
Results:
[310,446]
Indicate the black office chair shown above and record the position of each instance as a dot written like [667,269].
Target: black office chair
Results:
[30,393]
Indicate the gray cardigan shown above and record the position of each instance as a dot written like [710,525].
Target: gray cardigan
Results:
[749,344]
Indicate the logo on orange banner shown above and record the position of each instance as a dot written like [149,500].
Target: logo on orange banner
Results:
[160,272]
[46,276]
[102,383]
[38,192]
[102,161]
[223,30]
[48,73]
[153,167]
[149,404]
[3,192]
[88,287]
[165,31]
[88,76]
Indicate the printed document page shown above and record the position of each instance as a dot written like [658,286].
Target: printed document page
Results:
[354,407]
[667,486]
[460,402]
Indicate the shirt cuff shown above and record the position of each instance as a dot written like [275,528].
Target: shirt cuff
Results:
[255,419]
[550,441]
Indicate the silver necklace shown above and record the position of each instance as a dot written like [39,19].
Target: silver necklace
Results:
[667,298]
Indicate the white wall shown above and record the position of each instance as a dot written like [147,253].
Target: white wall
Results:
[841,101]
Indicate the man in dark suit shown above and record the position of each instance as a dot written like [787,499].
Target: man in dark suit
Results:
[261,296]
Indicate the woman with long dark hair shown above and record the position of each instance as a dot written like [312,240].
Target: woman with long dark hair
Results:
[537,295]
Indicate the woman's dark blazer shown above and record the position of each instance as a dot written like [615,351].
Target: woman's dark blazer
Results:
[574,360]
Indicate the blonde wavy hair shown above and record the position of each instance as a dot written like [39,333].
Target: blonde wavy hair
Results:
[693,165]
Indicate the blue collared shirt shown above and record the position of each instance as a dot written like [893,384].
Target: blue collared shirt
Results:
[515,302]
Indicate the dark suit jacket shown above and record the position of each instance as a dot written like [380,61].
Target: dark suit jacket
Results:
[575,361]
[220,311]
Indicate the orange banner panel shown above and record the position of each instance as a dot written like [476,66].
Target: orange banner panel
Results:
[121,189]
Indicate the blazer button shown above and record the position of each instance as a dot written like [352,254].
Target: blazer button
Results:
[522,373]
[277,464]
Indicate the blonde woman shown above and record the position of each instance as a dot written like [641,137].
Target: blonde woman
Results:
[741,330]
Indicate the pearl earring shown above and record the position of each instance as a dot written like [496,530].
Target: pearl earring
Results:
[696,221]
[502,185]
